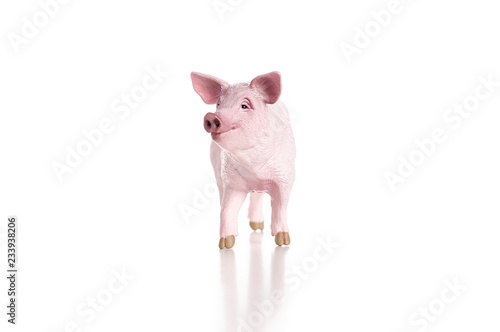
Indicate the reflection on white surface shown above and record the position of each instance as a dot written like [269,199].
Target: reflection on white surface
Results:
[228,278]
[253,311]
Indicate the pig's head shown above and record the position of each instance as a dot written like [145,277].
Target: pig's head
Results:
[242,119]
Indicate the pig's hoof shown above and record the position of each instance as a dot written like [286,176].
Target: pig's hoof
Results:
[282,238]
[226,242]
[255,225]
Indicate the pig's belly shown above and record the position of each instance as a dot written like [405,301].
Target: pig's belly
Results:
[259,185]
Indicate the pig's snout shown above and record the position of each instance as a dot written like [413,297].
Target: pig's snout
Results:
[212,123]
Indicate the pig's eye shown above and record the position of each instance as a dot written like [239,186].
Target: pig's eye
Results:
[218,105]
[244,106]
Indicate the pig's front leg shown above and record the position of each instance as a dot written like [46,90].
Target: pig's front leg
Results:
[230,206]
[279,203]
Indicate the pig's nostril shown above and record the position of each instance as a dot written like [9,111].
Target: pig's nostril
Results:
[212,123]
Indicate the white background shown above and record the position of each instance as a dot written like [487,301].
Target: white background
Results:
[121,207]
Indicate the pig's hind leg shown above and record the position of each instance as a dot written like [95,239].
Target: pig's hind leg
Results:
[255,211]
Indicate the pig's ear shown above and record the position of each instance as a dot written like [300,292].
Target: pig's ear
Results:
[208,87]
[269,86]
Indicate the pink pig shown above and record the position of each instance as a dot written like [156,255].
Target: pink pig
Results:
[252,151]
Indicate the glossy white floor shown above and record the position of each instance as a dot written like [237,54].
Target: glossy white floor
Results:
[394,260]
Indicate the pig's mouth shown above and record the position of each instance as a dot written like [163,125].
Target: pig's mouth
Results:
[217,135]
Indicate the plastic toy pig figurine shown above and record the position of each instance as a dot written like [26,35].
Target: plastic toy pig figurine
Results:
[252,151]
